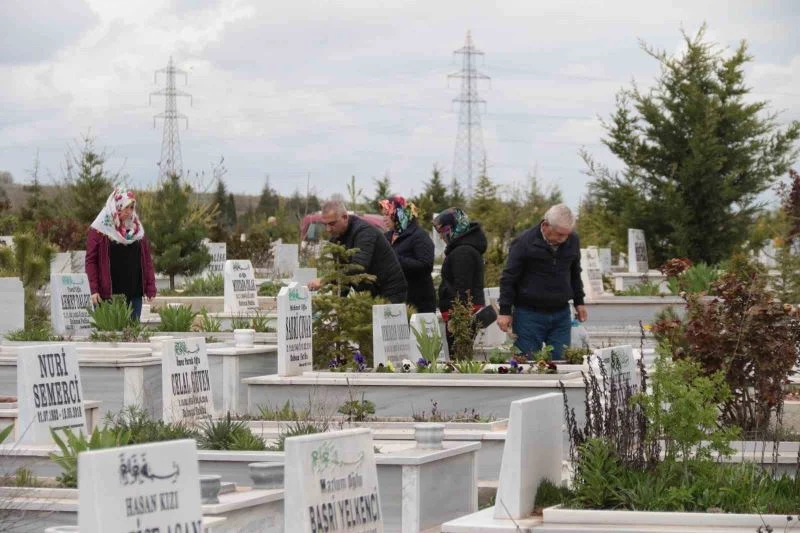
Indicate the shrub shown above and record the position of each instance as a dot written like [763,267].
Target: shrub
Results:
[228,434]
[209,285]
[72,444]
[111,315]
[141,427]
[176,318]
[429,343]
[463,330]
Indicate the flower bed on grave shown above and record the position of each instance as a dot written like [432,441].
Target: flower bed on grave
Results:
[675,448]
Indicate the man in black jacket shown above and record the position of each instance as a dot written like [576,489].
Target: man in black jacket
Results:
[374,253]
[542,274]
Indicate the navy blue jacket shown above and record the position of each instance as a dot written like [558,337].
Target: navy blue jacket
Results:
[414,250]
[462,269]
[538,277]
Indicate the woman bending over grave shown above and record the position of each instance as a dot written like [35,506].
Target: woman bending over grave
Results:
[414,250]
[118,259]
[462,269]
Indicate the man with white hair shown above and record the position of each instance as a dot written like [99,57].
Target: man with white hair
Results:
[542,274]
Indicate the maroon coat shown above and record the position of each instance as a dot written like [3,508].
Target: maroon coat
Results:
[98,265]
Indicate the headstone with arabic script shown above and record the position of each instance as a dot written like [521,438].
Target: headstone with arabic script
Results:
[294,330]
[49,392]
[144,487]
[219,254]
[618,362]
[331,483]
[241,293]
[391,337]
[637,251]
[70,304]
[185,381]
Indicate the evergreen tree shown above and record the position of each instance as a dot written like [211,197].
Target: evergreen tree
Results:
[433,199]
[269,202]
[36,207]
[176,228]
[696,153]
[383,190]
[354,193]
[224,215]
[87,182]
[456,198]
[484,200]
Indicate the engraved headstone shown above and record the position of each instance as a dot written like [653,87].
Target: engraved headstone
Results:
[591,272]
[70,304]
[12,295]
[294,330]
[185,381]
[331,483]
[144,487]
[219,254]
[391,337]
[49,392]
[637,251]
[241,293]
[605,259]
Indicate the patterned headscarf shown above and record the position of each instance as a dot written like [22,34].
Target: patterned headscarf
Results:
[451,223]
[400,211]
[108,221]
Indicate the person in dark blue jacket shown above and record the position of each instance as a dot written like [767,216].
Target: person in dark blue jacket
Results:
[542,274]
[414,250]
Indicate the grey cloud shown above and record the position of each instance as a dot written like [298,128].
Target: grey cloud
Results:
[35,30]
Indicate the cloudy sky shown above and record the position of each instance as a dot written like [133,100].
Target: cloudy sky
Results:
[316,92]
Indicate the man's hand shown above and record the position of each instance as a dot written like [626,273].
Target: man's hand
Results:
[580,313]
[96,298]
[504,322]
[314,284]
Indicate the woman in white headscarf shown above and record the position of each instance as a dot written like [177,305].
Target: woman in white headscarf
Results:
[118,258]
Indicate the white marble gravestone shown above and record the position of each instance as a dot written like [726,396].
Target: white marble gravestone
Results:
[605,260]
[70,304]
[391,337]
[61,263]
[7,240]
[626,374]
[12,296]
[637,251]
[241,293]
[532,453]
[294,330]
[49,392]
[304,275]
[286,260]
[767,256]
[185,381]
[428,321]
[591,272]
[438,243]
[219,254]
[492,335]
[144,487]
[331,483]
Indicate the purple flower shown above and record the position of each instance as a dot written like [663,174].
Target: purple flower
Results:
[333,363]
[359,358]
[422,362]
[513,363]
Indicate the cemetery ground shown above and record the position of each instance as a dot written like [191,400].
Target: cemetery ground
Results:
[652,439]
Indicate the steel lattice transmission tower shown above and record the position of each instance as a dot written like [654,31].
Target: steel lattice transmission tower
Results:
[470,156]
[171,161]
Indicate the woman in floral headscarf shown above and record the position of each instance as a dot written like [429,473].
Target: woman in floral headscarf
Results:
[118,259]
[462,269]
[414,250]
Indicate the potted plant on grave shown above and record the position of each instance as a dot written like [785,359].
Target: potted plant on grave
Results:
[111,322]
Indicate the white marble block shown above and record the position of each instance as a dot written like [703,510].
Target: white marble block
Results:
[532,453]
[241,293]
[70,304]
[49,392]
[286,260]
[219,254]
[295,354]
[145,487]
[331,483]
[391,337]
[13,307]
[637,251]
[185,381]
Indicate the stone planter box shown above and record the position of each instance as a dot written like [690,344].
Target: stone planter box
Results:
[120,374]
[213,304]
[556,519]
[420,489]
[9,412]
[401,394]
[617,311]
[32,510]
[491,435]
[791,415]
